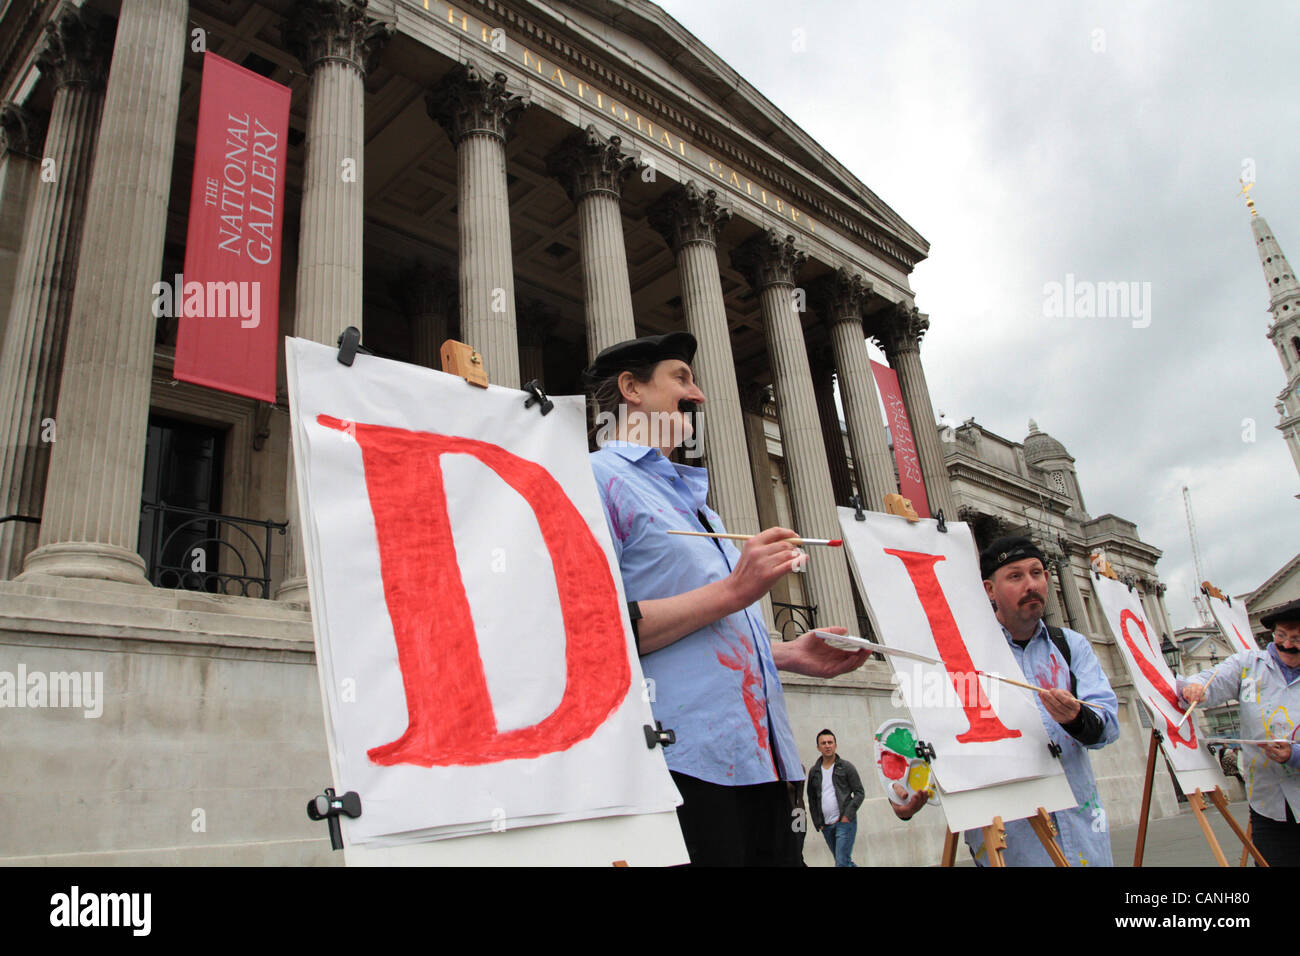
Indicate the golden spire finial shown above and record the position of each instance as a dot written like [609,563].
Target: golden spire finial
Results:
[1246,187]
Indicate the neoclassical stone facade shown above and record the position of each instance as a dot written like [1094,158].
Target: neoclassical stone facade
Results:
[540,181]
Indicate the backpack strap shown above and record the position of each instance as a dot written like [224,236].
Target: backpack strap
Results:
[1058,638]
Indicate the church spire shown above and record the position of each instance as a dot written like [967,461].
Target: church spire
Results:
[1284,332]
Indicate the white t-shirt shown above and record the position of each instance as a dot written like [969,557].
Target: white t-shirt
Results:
[830,806]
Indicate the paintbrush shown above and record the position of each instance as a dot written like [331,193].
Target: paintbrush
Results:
[864,644]
[829,542]
[1187,713]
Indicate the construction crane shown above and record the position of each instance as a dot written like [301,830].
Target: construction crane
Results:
[1202,608]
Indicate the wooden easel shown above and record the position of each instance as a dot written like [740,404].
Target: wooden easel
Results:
[1197,801]
[995,841]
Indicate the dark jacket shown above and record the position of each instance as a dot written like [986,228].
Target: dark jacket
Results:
[848,790]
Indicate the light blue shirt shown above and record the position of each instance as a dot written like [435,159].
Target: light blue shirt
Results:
[1082,831]
[716,688]
[1268,696]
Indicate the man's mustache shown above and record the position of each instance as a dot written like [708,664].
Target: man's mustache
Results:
[687,406]
[1032,596]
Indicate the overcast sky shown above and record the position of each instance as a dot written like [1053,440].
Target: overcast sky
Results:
[1026,142]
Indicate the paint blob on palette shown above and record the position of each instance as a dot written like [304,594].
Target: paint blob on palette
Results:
[897,762]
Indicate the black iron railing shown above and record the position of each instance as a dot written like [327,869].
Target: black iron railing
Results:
[195,550]
[793,619]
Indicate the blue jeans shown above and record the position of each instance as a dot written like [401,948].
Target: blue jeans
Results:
[840,837]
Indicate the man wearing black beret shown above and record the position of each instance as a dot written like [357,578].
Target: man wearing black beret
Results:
[1266,685]
[1062,660]
[694,602]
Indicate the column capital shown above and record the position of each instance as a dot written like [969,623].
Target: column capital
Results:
[754,398]
[466,100]
[901,330]
[841,295]
[22,130]
[319,30]
[421,290]
[767,259]
[78,47]
[587,162]
[688,214]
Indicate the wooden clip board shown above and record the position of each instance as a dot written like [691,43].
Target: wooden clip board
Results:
[639,839]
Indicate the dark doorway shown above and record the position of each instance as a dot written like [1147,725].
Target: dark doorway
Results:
[182,485]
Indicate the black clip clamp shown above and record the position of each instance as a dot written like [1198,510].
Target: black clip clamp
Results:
[657,735]
[537,397]
[925,751]
[328,806]
[856,502]
[943,525]
[350,345]
[1054,749]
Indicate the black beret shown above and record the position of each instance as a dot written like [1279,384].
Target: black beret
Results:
[643,351]
[1005,550]
[1287,612]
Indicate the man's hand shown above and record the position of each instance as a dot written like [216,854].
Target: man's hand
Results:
[1061,705]
[766,558]
[811,656]
[845,820]
[1193,692]
[910,805]
[1281,752]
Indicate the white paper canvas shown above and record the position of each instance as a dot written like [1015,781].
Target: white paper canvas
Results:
[362,440]
[979,742]
[1155,684]
[1233,623]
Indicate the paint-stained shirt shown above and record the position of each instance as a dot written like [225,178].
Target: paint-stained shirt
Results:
[1269,705]
[1083,830]
[716,688]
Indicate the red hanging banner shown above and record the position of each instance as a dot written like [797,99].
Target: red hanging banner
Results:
[228,298]
[910,484]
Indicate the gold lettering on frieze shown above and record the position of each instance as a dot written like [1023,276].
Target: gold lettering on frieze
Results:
[555,75]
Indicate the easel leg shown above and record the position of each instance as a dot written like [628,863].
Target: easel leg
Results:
[1220,800]
[1198,807]
[1146,800]
[949,857]
[1046,831]
[995,841]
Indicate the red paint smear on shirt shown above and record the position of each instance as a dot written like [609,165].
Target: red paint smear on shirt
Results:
[893,766]
[450,720]
[1053,675]
[741,658]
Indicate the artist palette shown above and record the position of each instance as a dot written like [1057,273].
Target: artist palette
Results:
[897,762]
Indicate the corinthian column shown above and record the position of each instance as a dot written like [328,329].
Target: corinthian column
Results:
[338,44]
[90,521]
[592,169]
[689,220]
[872,462]
[900,339]
[21,135]
[76,52]
[771,263]
[476,111]
[822,365]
